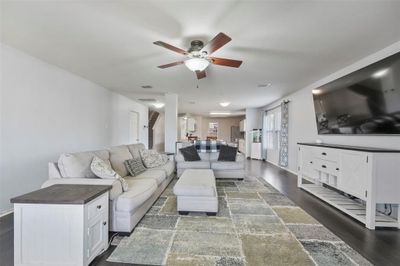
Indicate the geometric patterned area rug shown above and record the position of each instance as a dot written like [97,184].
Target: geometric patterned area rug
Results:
[255,225]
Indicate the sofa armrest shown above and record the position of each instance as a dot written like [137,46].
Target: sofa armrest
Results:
[240,157]
[54,171]
[179,157]
[115,191]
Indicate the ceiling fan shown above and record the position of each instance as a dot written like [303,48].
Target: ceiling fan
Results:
[199,55]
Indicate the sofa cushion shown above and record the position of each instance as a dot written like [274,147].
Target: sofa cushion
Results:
[194,165]
[135,166]
[158,175]
[204,156]
[135,148]
[213,156]
[152,158]
[118,155]
[190,154]
[227,153]
[169,168]
[220,165]
[78,164]
[139,191]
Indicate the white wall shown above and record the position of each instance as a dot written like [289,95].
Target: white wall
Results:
[302,125]
[121,107]
[45,111]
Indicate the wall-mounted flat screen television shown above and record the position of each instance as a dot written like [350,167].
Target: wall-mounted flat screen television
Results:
[366,101]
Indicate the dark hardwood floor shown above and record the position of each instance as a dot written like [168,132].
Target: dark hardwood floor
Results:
[380,247]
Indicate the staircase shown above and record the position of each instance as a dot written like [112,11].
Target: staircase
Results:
[153,115]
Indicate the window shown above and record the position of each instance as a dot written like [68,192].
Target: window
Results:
[272,124]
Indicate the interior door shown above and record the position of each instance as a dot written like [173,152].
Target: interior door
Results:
[133,127]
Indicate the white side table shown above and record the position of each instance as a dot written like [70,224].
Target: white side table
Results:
[61,225]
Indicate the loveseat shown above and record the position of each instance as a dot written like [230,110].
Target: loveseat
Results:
[126,208]
[209,160]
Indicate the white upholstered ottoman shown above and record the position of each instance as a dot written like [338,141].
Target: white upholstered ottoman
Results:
[196,192]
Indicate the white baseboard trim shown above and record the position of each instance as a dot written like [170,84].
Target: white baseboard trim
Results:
[4,213]
[284,168]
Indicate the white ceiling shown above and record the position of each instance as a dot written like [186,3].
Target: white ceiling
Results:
[289,44]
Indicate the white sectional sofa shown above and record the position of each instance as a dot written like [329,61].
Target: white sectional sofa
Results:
[209,160]
[126,208]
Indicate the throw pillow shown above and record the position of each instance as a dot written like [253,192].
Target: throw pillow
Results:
[103,170]
[190,154]
[135,166]
[227,153]
[151,158]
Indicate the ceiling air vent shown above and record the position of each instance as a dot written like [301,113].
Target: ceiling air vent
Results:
[147,100]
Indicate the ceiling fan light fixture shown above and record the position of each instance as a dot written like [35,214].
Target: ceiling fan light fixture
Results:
[197,64]
[224,104]
[158,105]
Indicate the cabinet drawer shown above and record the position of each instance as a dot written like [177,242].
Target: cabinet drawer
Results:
[327,154]
[97,206]
[327,166]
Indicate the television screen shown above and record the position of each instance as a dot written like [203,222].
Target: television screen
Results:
[366,101]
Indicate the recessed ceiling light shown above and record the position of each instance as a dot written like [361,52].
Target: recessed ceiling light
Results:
[220,113]
[147,87]
[158,105]
[264,85]
[380,73]
[317,91]
[224,104]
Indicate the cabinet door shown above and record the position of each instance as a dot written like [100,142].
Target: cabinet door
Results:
[97,236]
[353,173]
[307,161]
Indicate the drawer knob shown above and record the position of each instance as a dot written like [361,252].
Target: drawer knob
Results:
[99,207]
[337,169]
[324,153]
[104,223]
[311,162]
[323,166]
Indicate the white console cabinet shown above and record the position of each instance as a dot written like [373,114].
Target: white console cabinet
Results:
[352,179]
[60,225]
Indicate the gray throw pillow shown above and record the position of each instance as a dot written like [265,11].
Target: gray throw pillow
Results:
[190,154]
[227,153]
[135,166]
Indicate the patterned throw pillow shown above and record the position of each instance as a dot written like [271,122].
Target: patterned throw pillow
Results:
[103,170]
[152,158]
[135,166]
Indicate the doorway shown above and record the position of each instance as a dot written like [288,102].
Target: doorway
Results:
[133,127]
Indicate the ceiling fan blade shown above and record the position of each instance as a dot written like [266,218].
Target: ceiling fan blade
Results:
[171,64]
[171,47]
[201,74]
[225,62]
[220,40]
